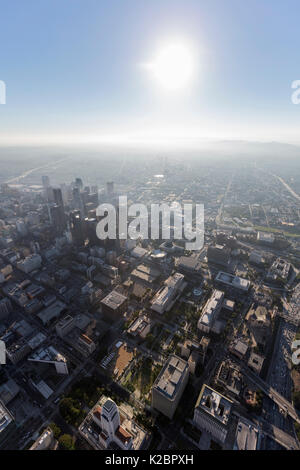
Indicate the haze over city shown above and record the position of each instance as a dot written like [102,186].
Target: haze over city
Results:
[149,229]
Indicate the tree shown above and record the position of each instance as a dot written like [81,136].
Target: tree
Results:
[66,442]
[70,409]
[56,430]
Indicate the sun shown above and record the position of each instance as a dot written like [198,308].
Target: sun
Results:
[173,67]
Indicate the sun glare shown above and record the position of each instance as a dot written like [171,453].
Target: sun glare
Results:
[173,67]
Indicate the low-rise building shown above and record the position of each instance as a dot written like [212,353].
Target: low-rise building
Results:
[140,327]
[30,263]
[45,441]
[247,436]
[279,271]
[230,377]
[50,355]
[233,281]
[8,391]
[189,265]
[265,238]
[256,362]
[145,275]
[256,258]
[51,312]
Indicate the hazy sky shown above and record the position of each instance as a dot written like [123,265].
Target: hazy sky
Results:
[74,70]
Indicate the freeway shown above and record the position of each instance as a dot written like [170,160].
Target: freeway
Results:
[15,179]
[285,405]
[278,435]
[293,193]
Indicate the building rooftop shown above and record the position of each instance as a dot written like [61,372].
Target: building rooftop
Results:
[256,362]
[246,436]
[64,321]
[212,305]
[240,347]
[139,325]
[215,404]
[37,340]
[138,252]
[108,405]
[5,418]
[8,391]
[114,300]
[233,281]
[49,354]
[171,376]
[189,263]
[53,311]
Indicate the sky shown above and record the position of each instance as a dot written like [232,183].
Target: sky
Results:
[76,71]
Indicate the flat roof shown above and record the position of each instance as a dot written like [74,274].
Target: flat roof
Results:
[189,263]
[246,436]
[171,376]
[114,299]
[211,306]
[52,311]
[216,405]
[49,354]
[256,361]
[44,389]
[234,281]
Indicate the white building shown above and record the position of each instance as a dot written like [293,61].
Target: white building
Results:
[140,327]
[211,311]
[105,428]
[164,299]
[233,281]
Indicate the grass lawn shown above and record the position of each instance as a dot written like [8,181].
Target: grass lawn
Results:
[275,230]
[144,376]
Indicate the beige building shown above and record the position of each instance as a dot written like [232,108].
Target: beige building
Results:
[212,412]
[45,441]
[169,385]
[165,298]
